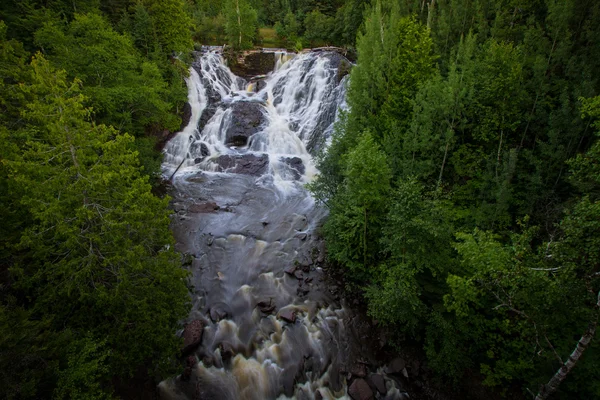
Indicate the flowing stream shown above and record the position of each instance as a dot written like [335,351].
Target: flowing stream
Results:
[273,326]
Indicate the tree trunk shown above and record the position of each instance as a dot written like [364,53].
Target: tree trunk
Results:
[365,241]
[430,13]
[237,6]
[499,151]
[443,163]
[552,386]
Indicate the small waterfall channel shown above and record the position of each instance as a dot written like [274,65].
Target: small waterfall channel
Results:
[265,323]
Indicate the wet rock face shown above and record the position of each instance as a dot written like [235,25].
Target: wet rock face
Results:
[203,207]
[190,363]
[296,166]
[260,85]
[340,63]
[186,115]
[199,151]
[246,120]
[247,164]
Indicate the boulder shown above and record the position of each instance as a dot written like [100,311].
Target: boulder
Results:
[287,316]
[301,236]
[359,370]
[396,366]
[204,207]
[247,164]
[246,119]
[227,351]
[208,361]
[291,270]
[192,336]
[301,395]
[266,307]
[217,313]
[360,390]
[378,383]
[199,151]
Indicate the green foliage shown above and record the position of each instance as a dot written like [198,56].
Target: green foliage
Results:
[171,25]
[318,28]
[93,253]
[417,237]
[29,352]
[124,90]
[288,30]
[356,215]
[88,199]
[487,117]
[240,23]
[90,289]
[86,367]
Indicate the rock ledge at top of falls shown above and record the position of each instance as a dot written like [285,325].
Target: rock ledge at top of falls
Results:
[252,63]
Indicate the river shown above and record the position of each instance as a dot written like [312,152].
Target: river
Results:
[272,325]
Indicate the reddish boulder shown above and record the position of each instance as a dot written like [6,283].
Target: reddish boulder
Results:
[360,390]
[287,316]
[192,336]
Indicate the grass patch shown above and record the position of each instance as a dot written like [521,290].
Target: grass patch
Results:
[268,38]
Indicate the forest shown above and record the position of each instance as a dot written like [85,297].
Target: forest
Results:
[463,183]
[463,188]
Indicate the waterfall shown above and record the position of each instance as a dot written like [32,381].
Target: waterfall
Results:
[274,326]
[294,110]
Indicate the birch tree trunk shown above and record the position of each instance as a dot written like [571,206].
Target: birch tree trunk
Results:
[237,7]
[430,13]
[552,386]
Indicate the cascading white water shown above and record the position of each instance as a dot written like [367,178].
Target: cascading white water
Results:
[176,150]
[273,328]
[299,101]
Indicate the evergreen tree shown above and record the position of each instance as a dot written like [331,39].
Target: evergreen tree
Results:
[94,258]
[356,213]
